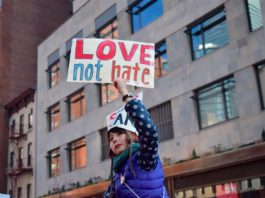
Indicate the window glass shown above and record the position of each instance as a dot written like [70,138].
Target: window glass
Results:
[108,93]
[261,84]
[209,35]
[12,159]
[104,144]
[21,124]
[217,102]
[54,74]
[30,119]
[78,154]
[19,192]
[77,105]
[54,163]
[29,191]
[110,31]
[145,12]
[54,117]
[162,116]
[29,154]
[161,64]
[254,14]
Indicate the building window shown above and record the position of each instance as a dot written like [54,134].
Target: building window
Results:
[162,117]
[254,14]
[54,74]
[217,102]
[54,117]
[20,158]
[12,159]
[29,191]
[19,192]
[29,154]
[30,119]
[161,65]
[144,12]
[260,71]
[108,93]
[54,162]
[208,34]
[21,124]
[77,154]
[108,31]
[76,105]
[67,58]
[104,144]
[13,127]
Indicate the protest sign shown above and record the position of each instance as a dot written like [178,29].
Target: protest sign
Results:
[102,61]
[120,118]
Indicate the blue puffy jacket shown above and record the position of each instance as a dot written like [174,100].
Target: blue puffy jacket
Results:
[145,184]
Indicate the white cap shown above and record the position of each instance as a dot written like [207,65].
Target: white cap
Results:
[121,119]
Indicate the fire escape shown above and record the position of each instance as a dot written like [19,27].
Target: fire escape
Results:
[17,166]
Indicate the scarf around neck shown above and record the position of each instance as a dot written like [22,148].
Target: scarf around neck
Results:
[124,156]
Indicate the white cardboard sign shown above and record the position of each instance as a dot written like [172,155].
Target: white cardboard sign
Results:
[103,60]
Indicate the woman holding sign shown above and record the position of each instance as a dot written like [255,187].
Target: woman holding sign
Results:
[136,165]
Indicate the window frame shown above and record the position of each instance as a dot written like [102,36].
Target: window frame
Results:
[29,189]
[108,100]
[159,54]
[80,99]
[249,18]
[202,33]
[261,94]
[50,116]
[146,6]
[224,101]
[58,162]
[70,150]
[29,155]
[12,159]
[104,144]
[19,192]
[113,29]
[21,123]
[30,119]
[57,71]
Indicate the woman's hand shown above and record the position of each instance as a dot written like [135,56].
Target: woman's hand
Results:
[121,86]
